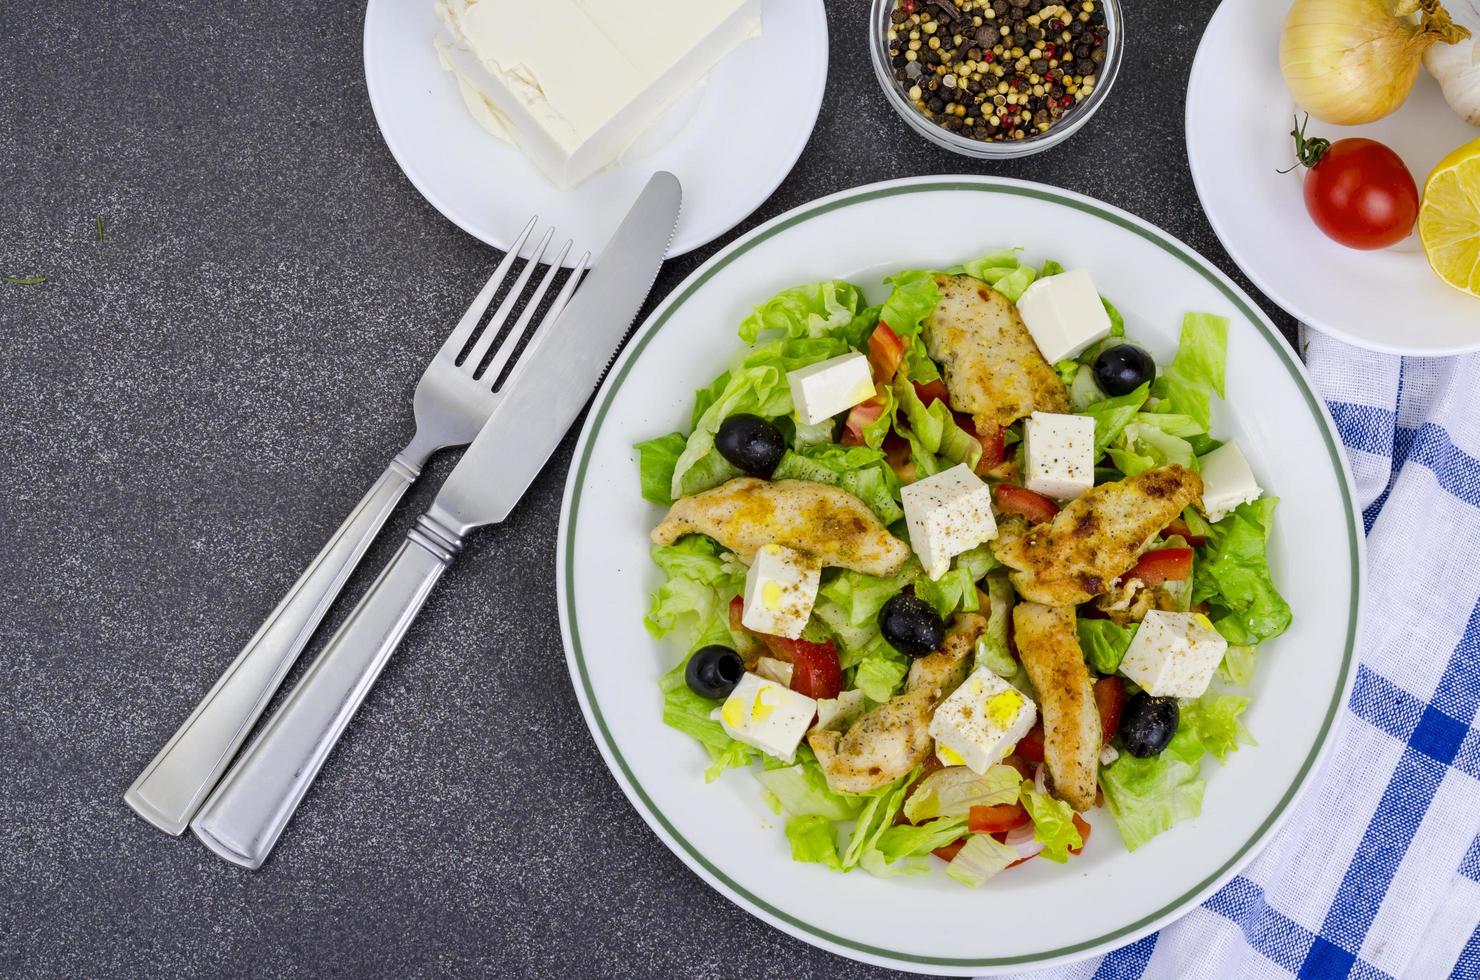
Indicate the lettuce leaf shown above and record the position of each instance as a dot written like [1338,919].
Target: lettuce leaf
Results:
[991,647]
[1053,823]
[1216,720]
[982,857]
[953,791]
[802,789]
[933,429]
[813,841]
[1233,576]
[689,713]
[877,816]
[1187,385]
[908,840]
[1237,667]
[860,470]
[881,672]
[656,459]
[810,310]
[1104,643]
[914,296]
[1112,415]
[694,601]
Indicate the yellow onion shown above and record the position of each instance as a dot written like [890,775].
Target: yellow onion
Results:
[1353,61]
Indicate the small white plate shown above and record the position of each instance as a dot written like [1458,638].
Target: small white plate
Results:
[1041,913]
[730,143]
[1238,135]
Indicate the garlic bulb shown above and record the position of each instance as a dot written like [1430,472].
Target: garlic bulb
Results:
[1457,66]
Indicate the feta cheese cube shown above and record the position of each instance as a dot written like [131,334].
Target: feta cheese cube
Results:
[1060,454]
[981,722]
[767,716]
[774,670]
[780,589]
[836,714]
[948,513]
[1174,654]
[1227,481]
[822,390]
[1064,314]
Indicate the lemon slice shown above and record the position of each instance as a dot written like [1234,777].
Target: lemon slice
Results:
[1449,219]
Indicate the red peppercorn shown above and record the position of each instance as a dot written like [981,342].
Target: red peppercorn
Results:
[1061,25]
[1099,41]
[1050,50]
[989,57]
[1048,75]
[908,6]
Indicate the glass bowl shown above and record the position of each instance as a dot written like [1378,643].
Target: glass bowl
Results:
[984,149]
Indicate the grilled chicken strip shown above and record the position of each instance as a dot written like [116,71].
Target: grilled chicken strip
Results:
[993,369]
[1096,538]
[1049,646]
[894,737]
[823,521]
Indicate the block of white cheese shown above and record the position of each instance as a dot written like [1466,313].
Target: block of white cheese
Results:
[767,716]
[1059,454]
[780,590]
[979,724]
[1227,481]
[774,670]
[948,513]
[573,82]
[1064,314]
[820,391]
[1174,654]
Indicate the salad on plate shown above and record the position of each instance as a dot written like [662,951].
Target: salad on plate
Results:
[953,570]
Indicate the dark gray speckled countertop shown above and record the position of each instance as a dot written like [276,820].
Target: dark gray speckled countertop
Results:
[187,409]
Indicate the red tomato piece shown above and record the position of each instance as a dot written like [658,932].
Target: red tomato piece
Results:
[1109,699]
[932,391]
[1031,747]
[1164,565]
[1081,825]
[815,670]
[1179,528]
[996,819]
[885,351]
[949,851]
[737,610]
[1024,503]
[860,416]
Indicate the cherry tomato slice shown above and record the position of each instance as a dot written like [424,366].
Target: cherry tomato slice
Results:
[860,416]
[996,819]
[1031,746]
[1081,825]
[1164,565]
[932,391]
[885,351]
[1179,528]
[949,851]
[815,671]
[1024,503]
[1109,699]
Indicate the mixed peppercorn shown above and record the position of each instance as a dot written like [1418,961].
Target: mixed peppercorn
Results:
[997,70]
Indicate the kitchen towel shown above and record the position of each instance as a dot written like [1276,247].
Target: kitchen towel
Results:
[1377,873]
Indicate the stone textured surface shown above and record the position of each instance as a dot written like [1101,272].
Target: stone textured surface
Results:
[189,407]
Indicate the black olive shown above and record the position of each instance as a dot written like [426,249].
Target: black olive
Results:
[1147,724]
[713,671]
[1121,369]
[911,626]
[751,443]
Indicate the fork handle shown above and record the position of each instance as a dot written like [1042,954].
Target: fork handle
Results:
[243,818]
[170,789]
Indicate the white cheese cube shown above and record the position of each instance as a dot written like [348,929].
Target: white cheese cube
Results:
[1064,314]
[836,714]
[981,722]
[1174,654]
[1060,454]
[780,589]
[822,390]
[948,513]
[1227,481]
[767,716]
[774,670]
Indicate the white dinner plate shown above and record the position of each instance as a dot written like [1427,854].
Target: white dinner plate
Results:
[1040,913]
[1238,135]
[730,143]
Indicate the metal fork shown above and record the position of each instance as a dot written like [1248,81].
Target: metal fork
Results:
[454,397]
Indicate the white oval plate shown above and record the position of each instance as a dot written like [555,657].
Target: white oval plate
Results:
[730,143]
[1238,135]
[723,831]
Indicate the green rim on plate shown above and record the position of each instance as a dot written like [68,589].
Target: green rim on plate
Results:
[1166,244]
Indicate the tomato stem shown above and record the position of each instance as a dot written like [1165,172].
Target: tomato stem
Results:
[1308,150]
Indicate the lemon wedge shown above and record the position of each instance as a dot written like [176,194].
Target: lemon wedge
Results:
[1449,219]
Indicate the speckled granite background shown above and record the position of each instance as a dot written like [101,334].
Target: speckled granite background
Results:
[187,409]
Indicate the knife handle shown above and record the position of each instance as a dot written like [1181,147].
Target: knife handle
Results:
[171,788]
[243,818]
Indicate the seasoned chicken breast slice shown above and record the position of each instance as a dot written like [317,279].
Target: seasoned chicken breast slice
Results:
[894,737]
[1096,538]
[1048,643]
[823,521]
[992,367]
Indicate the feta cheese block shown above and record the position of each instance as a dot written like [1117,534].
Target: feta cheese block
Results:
[767,716]
[822,390]
[1227,481]
[774,670]
[780,589]
[1064,314]
[981,722]
[948,513]
[1174,654]
[572,83]
[1059,453]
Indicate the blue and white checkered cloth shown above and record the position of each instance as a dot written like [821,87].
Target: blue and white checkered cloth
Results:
[1378,872]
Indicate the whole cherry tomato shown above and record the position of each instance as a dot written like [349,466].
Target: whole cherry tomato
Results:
[1357,190]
